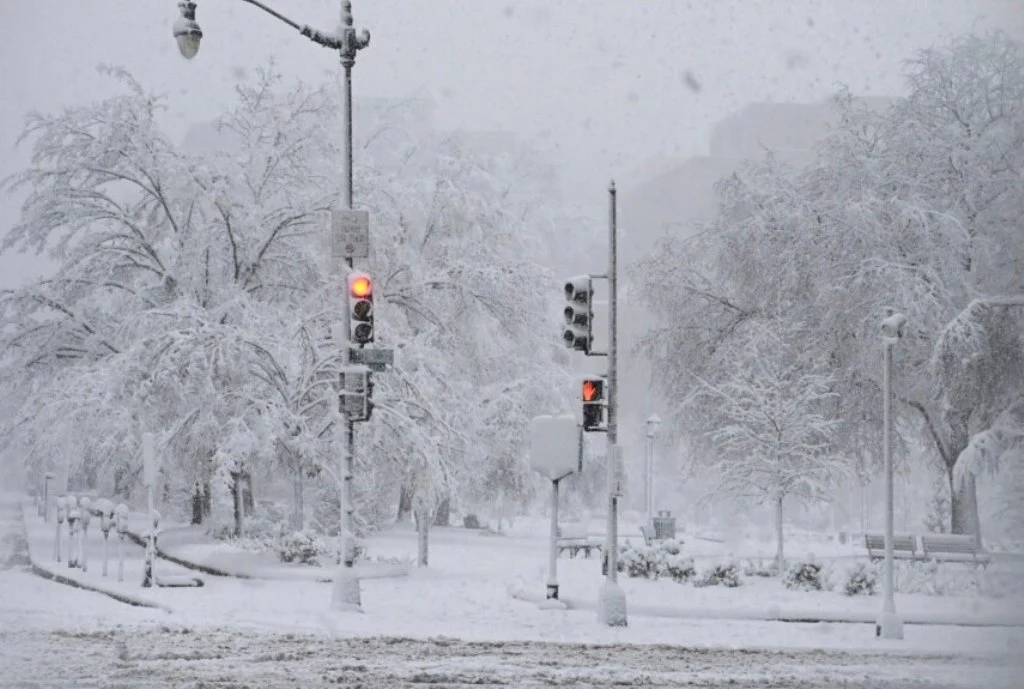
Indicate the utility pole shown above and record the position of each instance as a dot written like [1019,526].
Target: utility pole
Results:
[346,594]
[612,599]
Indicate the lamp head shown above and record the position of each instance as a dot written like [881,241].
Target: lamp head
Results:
[186,30]
[894,327]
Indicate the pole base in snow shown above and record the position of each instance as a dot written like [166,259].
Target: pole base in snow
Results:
[345,595]
[611,605]
[889,626]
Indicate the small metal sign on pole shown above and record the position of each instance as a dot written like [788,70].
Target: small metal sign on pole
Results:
[374,359]
[350,234]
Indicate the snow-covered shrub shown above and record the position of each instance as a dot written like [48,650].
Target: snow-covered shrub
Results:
[671,546]
[678,567]
[471,521]
[723,574]
[803,576]
[653,562]
[860,580]
[301,546]
[642,561]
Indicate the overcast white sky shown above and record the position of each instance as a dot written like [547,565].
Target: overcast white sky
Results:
[599,80]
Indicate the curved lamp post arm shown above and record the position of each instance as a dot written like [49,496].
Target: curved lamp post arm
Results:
[348,42]
[275,13]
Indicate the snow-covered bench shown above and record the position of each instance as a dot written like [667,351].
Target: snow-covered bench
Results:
[574,538]
[952,548]
[904,546]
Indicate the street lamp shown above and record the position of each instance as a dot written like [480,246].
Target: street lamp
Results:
[186,30]
[889,625]
[348,42]
[653,423]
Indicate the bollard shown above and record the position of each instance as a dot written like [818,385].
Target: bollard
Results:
[121,522]
[62,513]
[83,537]
[105,510]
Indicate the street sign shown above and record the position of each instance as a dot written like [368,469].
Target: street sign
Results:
[350,234]
[375,359]
[554,445]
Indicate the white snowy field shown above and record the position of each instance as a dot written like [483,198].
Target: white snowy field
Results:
[462,599]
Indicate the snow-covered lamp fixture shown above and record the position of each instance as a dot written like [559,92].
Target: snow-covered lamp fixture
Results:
[186,31]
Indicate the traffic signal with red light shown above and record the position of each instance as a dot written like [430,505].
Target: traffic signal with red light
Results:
[579,314]
[593,404]
[360,308]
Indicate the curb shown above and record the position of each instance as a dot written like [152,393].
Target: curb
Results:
[205,569]
[46,573]
[518,592]
[140,540]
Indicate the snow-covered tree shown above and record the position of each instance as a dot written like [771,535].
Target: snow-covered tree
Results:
[914,207]
[770,429]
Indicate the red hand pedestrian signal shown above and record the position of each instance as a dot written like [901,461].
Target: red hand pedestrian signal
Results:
[593,404]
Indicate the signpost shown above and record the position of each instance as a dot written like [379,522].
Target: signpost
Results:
[350,234]
[554,452]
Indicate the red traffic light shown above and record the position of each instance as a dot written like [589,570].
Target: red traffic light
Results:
[593,390]
[361,287]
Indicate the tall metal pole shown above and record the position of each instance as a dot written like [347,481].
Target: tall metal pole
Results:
[648,472]
[889,625]
[552,587]
[346,594]
[612,599]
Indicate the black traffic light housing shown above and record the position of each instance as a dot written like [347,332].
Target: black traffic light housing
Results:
[579,313]
[360,308]
[592,394]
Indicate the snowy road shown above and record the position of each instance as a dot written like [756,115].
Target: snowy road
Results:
[166,657]
[53,636]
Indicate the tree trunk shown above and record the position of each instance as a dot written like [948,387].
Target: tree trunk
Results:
[780,559]
[964,507]
[963,502]
[207,499]
[248,500]
[197,503]
[238,503]
[444,513]
[298,505]
[423,537]
[405,496]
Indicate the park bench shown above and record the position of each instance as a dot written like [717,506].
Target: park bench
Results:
[952,548]
[904,546]
[575,538]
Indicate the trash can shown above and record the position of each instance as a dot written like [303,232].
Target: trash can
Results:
[664,525]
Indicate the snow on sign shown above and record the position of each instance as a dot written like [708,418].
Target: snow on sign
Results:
[554,449]
[350,234]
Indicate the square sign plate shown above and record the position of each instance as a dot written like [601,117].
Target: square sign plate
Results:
[350,234]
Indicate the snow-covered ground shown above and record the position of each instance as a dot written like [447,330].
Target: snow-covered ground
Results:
[283,633]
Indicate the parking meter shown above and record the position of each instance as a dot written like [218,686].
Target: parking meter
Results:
[62,514]
[74,524]
[104,509]
[121,523]
[85,505]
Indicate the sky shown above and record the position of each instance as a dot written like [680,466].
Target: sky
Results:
[608,85]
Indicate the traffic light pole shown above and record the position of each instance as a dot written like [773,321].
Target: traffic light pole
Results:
[612,599]
[346,594]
